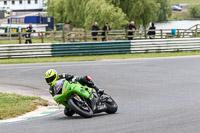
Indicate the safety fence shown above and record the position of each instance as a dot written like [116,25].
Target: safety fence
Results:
[165,45]
[86,36]
[98,48]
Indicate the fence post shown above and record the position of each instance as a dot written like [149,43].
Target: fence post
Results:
[178,34]
[63,35]
[196,30]
[85,38]
[106,35]
[42,37]
[161,32]
[145,33]
[126,33]
[20,38]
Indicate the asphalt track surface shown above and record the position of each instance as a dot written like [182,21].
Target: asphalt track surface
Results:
[159,95]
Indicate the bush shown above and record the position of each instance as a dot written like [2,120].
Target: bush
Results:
[195,11]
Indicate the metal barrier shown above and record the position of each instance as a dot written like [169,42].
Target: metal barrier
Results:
[24,50]
[98,48]
[91,48]
[165,45]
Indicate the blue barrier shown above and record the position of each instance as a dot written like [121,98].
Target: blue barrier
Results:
[91,48]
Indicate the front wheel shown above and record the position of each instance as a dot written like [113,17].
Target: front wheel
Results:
[111,106]
[80,107]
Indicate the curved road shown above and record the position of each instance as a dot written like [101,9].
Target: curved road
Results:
[154,95]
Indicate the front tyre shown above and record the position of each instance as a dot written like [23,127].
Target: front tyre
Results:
[111,106]
[82,109]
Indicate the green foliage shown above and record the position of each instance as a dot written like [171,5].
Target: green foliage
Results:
[103,12]
[75,12]
[164,11]
[116,3]
[83,13]
[141,11]
[56,9]
[195,11]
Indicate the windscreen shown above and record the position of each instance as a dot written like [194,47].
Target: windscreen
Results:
[58,85]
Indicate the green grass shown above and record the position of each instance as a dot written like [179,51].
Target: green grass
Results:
[176,15]
[184,1]
[95,58]
[12,105]
[33,41]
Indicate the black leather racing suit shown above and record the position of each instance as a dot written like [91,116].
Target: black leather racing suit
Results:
[82,80]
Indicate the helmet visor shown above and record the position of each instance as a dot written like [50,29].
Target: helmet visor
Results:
[50,79]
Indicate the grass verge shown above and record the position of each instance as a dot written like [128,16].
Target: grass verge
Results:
[33,40]
[183,1]
[95,58]
[13,105]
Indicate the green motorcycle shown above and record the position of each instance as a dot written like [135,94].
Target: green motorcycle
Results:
[82,100]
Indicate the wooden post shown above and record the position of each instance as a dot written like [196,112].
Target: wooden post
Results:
[178,34]
[85,37]
[145,33]
[42,37]
[196,30]
[106,35]
[20,38]
[161,32]
[63,35]
[126,33]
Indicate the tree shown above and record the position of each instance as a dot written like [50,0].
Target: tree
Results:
[195,11]
[141,11]
[164,11]
[102,12]
[75,10]
[116,3]
[83,13]
[56,9]
[68,11]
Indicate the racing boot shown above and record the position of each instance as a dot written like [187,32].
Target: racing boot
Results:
[101,107]
[68,112]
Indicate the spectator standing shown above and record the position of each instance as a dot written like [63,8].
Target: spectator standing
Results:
[29,29]
[132,28]
[95,27]
[152,31]
[105,28]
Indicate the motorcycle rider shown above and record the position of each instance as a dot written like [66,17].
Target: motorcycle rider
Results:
[51,76]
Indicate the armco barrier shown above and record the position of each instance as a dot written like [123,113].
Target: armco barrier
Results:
[63,49]
[25,50]
[91,48]
[98,48]
[165,45]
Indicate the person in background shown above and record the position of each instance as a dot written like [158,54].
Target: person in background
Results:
[29,29]
[105,28]
[132,28]
[152,31]
[95,27]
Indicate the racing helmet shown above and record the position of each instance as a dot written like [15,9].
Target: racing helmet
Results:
[51,76]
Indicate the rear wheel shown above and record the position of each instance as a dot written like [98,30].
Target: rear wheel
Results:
[80,107]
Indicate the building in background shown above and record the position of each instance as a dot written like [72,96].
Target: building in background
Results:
[22,5]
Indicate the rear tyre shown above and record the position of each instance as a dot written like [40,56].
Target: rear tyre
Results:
[85,111]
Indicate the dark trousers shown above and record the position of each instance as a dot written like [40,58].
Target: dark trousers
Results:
[94,38]
[28,40]
[130,34]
